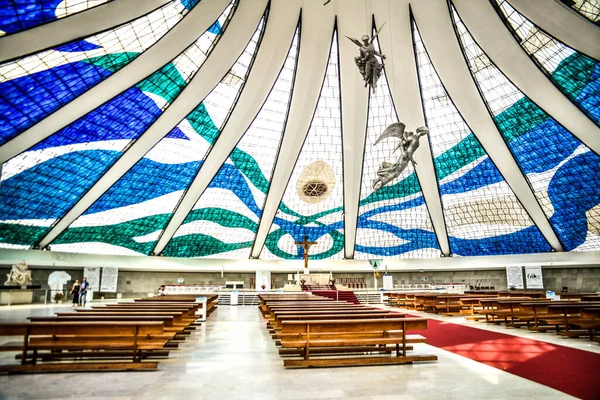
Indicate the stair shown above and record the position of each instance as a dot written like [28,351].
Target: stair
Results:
[349,297]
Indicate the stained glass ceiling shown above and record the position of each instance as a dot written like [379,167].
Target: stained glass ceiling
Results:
[550,202]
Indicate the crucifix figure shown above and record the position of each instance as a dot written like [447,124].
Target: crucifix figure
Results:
[305,245]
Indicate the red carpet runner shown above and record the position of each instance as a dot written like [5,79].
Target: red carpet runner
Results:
[572,371]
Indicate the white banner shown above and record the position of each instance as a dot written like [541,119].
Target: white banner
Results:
[388,282]
[93,277]
[263,278]
[514,277]
[109,279]
[533,277]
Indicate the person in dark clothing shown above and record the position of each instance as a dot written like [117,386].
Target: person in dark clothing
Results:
[75,292]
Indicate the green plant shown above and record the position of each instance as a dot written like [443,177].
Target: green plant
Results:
[58,297]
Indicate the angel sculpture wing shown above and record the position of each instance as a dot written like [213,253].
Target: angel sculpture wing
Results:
[377,32]
[394,130]
[355,41]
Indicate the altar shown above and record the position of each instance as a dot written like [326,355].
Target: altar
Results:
[315,279]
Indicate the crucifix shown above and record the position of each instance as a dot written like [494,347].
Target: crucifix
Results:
[305,245]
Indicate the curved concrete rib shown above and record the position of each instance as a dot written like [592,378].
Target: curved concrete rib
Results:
[315,42]
[354,20]
[491,35]
[437,32]
[563,23]
[220,60]
[172,44]
[83,24]
[271,56]
[401,72]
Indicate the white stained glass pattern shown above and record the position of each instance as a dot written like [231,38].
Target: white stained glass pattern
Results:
[34,86]
[590,9]
[482,214]
[575,74]
[305,211]
[394,221]
[229,210]
[552,159]
[211,228]
[128,216]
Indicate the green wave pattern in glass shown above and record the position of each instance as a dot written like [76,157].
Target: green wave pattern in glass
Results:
[112,62]
[455,158]
[273,239]
[469,150]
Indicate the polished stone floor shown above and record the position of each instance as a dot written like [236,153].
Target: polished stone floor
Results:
[233,357]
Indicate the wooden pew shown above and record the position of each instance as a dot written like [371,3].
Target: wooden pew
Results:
[590,320]
[181,323]
[448,304]
[299,313]
[489,307]
[310,334]
[211,300]
[513,315]
[543,320]
[571,314]
[83,337]
[472,302]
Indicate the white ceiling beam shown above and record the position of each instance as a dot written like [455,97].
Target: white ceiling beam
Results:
[199,19]
[315,43]
[437,32]
[277,39]
[497,42]
[230,46]
[76,26]
[354,20]
[401,71]
[563,23]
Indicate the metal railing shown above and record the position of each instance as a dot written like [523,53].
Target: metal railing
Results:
[9,297]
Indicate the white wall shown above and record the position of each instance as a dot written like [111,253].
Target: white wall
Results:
[50,259]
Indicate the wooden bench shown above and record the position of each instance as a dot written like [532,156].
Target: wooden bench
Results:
[571,316]
[473,305]
[182,324]
[448,304]
[83,337]
[491,309]
[211,300]
[306,335]
[277,323]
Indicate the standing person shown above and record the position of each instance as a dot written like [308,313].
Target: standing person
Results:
[83,292]
[75,292]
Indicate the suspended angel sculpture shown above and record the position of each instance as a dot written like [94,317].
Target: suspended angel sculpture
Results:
[367,62]
[409,143]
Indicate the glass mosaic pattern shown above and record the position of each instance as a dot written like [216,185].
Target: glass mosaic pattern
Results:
[299,214]
[225,218]
[394,221]
[18,15]
[33,87]
[131,215]
[562,172]
[575,74]
[590,9]
[482,214]
[42,184]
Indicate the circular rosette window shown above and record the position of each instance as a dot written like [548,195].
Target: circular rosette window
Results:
[316,182]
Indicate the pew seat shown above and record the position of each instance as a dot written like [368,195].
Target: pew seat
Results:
[307,334]
[133,337]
